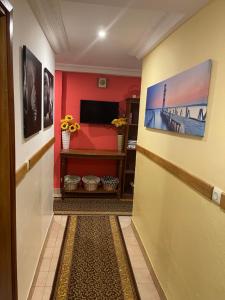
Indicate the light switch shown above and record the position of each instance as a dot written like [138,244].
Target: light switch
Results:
[216,195]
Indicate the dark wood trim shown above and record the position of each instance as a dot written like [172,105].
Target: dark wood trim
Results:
[158,286]
[38,155]
[193,181]
[91,153]
[222,202]
[129,130]
[8,256]
[21,172]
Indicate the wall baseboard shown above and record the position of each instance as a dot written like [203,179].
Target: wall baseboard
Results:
[39,260]
[149,264]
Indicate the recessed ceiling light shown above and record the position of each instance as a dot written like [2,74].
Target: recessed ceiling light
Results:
[102,34]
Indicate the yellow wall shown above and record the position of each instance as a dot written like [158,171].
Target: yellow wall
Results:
[183,233]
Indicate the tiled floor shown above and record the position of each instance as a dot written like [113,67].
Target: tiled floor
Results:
[43,285]
[143,278]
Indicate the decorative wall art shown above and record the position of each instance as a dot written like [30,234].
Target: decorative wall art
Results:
[102,82]
[179,104]
[32,83]
[48,98]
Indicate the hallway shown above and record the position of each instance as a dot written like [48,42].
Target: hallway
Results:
[146,65]
[43,282]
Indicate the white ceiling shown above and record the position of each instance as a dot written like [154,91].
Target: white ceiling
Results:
[133,28]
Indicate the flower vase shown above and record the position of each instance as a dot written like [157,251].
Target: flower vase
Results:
[120,139]
[66,140]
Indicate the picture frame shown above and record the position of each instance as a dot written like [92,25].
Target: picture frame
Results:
[102,82]
[179,103]
[32,93]
[48,98]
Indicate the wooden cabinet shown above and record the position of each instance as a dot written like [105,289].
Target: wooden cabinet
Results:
[131,131]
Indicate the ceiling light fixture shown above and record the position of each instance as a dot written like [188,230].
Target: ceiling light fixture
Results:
[102,34]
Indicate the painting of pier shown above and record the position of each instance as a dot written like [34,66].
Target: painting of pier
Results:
[179,104]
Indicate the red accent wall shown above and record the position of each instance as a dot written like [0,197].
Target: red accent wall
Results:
[70,88]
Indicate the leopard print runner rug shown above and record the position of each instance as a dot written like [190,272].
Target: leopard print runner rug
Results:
[79,206]
[93,263]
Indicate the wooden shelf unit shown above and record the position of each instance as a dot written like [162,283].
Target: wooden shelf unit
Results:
[131,131]
[90,154]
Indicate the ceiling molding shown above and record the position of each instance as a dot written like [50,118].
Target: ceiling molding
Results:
[48,14]
[99,70]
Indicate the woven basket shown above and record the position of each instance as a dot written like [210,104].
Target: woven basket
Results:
[90,183]
[71,182]
[109,183]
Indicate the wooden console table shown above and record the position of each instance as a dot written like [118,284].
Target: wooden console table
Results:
[90,154]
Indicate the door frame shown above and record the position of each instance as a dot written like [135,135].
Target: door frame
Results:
[8,261]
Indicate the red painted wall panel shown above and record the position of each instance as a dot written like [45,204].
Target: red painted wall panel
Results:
[71,88]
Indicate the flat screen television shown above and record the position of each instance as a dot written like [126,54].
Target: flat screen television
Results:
[98,112]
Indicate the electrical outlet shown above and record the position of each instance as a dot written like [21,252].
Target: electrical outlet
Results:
[216,194]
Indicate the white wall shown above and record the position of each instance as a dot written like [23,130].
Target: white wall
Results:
[34,193]
[28,32]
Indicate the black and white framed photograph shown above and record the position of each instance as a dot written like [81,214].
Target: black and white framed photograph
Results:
[32,93]
[48,98]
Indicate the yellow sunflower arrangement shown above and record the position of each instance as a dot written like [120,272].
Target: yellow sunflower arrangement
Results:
[119,122]
[69,124]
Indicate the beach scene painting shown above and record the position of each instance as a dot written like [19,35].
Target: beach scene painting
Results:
[179,104]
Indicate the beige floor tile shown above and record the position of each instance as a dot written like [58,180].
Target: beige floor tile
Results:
[56,252]
[57,218]
[54,234]
[50,258]
[147,292]
[130,241]
[60,234]
[143,278]
[142,275]
[134,250]
[45,264]
[42,279]
[48,252]
[50,279]
[53,264]
[47,293]
[63,221]
[125,221]
[58,243]
[137,262]
[51,242]
[128,229]
[56,226]
[38,293]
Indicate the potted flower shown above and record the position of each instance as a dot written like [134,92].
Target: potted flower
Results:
[68,126]
[120,125]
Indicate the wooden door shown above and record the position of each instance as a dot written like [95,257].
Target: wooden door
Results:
[8,270]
